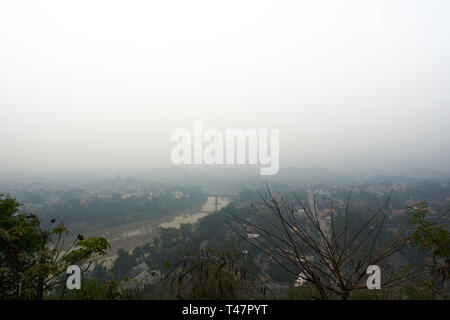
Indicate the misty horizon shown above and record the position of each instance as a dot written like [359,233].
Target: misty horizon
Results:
[361,87]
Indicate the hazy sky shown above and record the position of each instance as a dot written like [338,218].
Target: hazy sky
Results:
[102,84]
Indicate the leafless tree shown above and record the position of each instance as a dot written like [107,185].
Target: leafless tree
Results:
[329,258]
[214,274]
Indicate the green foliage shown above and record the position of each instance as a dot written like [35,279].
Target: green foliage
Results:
[428,236]
[97,289]
[433,240]
[123,263]
[421,289]
[85,248]
[31,258]
[100,271]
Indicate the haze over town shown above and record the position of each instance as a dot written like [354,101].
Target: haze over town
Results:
[224,150]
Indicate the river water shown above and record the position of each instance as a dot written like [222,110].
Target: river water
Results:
[137,234]
[207,208]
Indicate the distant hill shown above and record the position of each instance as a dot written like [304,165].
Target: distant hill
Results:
[232,178]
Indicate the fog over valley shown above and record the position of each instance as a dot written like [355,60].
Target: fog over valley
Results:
[243,150]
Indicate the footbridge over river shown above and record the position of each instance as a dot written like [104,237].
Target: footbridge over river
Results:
[220,201]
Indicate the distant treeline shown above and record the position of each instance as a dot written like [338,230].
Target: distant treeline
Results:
[96,212]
